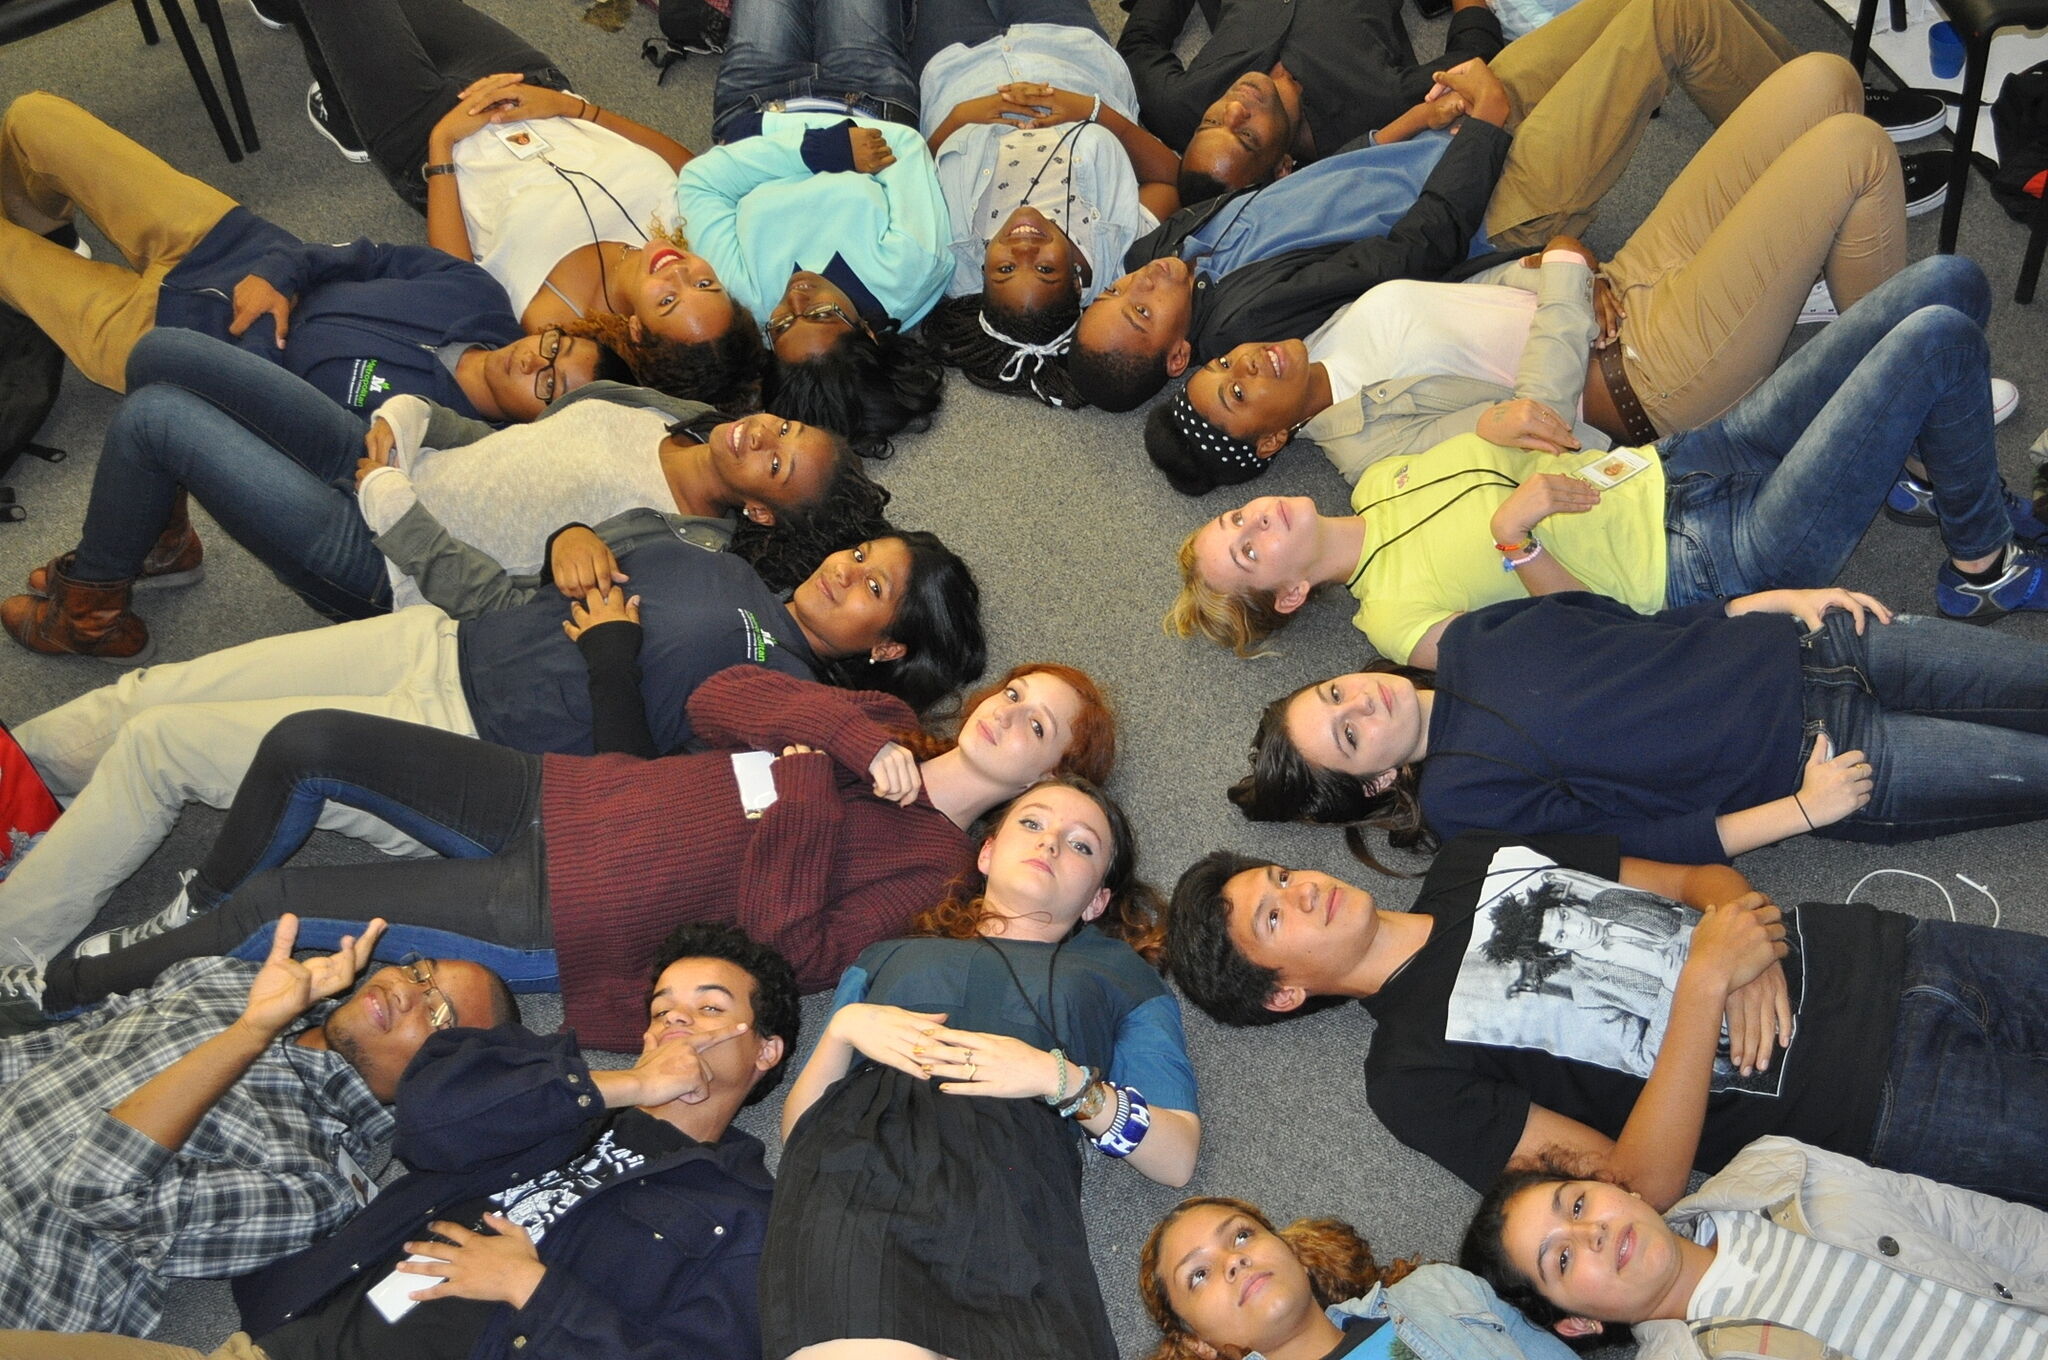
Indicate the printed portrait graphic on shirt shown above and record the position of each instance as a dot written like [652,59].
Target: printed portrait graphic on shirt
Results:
[1584,968]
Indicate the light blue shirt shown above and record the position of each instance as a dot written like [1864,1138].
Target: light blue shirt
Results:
[1443,1313]
[754,210]
[1347,197]
[1105,215]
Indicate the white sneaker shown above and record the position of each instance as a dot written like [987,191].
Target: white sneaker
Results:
[170,918]
[1820,306]
[2039,448]
[2005,399]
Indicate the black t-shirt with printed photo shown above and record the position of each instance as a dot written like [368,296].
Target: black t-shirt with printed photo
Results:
[1546,981]
[348,1325]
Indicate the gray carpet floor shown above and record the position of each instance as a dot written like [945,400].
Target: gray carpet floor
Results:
[1072,535]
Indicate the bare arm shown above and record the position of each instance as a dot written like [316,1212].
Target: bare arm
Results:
[1654,1154]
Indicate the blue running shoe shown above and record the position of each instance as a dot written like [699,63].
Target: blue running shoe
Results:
[2027,526]
[1911,501]
[2022,585]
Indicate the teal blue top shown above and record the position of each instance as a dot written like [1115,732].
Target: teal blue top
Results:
[760,208]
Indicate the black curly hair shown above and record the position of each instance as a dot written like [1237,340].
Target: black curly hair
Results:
[852,509]
[776,1003]
[866,388]
[955,331]
[725,372]
[1115,380]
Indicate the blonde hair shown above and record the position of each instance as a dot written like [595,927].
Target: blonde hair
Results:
[1238,622]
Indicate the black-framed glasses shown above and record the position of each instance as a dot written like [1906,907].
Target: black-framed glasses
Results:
[545,382]
[824,311]
[420,972]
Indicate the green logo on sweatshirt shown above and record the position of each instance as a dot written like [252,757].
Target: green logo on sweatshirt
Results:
[759,639]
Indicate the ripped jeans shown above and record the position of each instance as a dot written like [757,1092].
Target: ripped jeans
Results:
[1953,718]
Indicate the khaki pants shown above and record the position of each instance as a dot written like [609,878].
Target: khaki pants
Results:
[1582,88]
[57,159]
[130,755]
[1795,184]
[101,1346]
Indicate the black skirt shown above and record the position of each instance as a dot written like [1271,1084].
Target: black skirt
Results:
[950,1222]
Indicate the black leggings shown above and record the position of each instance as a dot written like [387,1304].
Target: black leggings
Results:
[396,66]
[459,796]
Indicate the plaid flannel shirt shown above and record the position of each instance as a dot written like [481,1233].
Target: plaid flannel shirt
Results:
[94,1215]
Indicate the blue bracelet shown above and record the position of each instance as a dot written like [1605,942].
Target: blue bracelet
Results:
[1128,1129]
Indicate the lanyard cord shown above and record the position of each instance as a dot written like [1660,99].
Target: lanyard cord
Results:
[603,284]
[1051,964]
[1498,479]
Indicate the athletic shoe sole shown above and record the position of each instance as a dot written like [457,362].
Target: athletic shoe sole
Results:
[275,25]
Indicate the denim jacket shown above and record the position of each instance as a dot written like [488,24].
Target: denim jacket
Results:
[1443,1313]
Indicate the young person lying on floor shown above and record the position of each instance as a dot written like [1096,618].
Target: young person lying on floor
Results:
[1550,992]
[1775,494]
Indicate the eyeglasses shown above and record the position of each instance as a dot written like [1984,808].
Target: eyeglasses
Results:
[824,311]
[421,973]
[544,382]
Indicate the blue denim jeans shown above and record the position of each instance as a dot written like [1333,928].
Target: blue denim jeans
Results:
[269,457]
[1952,717]
[853,50]
[1778,492]
[1966,1090]
[941,23]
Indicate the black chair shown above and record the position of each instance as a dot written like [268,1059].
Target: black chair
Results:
[26,18]
[1975,22]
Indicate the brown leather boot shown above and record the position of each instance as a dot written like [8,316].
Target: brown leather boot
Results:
[80,618]
[176,559]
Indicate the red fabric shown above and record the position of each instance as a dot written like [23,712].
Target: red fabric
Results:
[26,807]
[2038,185]
[637,847]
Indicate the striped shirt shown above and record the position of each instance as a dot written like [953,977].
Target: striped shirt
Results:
[1856,1304]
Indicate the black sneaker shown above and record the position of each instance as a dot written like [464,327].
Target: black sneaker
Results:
[333,124]
[268,17]
[1904,114]
[1927,175]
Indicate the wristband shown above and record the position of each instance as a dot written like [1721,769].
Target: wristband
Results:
[1133,1121]
[429,170]
[1520,556]
[1095,114]
[1802,811]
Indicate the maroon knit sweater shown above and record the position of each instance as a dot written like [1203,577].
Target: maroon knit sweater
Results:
[637,847]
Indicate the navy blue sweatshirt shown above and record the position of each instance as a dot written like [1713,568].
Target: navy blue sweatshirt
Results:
[1573,713]
[528,686]
[368,319]
[656,1265]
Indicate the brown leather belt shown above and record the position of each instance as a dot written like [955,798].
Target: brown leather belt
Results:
[1635,422]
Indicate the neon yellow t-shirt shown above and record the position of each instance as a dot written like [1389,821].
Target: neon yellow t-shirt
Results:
[1429,538]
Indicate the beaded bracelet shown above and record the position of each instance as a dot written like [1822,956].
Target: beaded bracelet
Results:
[1087,1077]
[1059,1097]
[1128,1129]
[1520,556]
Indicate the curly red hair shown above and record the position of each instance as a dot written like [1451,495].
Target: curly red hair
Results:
[1339,1262]
[1091,747]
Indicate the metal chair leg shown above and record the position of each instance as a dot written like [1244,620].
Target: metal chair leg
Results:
[230,73]
[1898,16]
[1978,58]
[1859,44]
[148,24]
[174,15]
[2037,244]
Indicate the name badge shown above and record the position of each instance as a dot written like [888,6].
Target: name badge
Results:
[1614,467]
[359,1183]
[754,772]
[520,139]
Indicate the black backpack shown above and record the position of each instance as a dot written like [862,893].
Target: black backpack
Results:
[31,368]
[2019,122]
